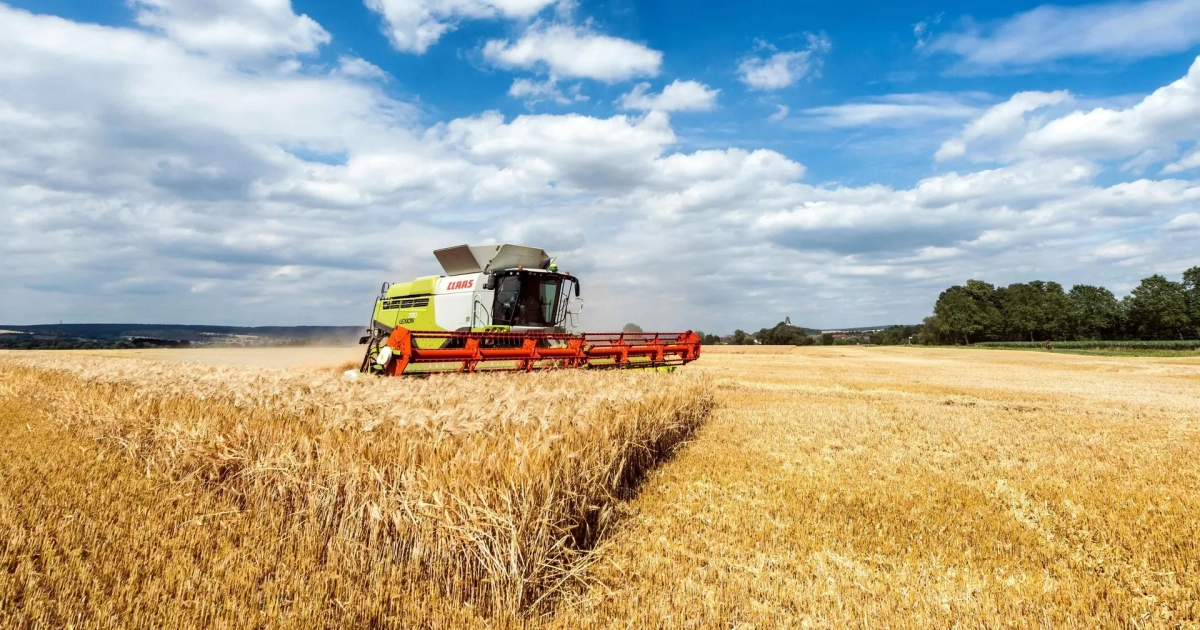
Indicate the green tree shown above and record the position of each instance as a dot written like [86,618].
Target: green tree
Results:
[1191,287]
[1094,312]
[931,332]
[1036,309]
[988,298]
[1158,309]
[631,328]
[968,312]
[1056,311]
[1021,310]
[895,335]
[783,334]
[958,313]
[740,338]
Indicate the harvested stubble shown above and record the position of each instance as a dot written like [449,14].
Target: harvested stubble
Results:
[494,487]
[917,488]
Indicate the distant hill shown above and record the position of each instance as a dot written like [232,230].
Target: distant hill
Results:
[64,336]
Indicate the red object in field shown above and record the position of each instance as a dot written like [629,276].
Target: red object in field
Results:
[528,351]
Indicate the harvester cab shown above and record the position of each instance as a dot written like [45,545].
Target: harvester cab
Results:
[500,307]
[489,288]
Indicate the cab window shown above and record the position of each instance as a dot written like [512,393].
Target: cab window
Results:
[527,300]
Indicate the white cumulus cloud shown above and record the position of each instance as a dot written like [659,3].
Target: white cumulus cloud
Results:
[415,25]
[359,68]
[1133,138]
[532,91]
[1186,222]
[679,96]
[781,68]
[1002,120]
[1170,114]
[570,51]
[233,28]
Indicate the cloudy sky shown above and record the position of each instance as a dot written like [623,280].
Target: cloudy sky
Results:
[698,163]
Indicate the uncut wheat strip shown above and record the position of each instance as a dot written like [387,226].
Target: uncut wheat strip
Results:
[340,454]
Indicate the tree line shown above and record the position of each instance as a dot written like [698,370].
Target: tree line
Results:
[786,334]
[781,334]
[1157,309]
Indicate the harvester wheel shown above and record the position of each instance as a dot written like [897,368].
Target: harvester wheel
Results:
[369,364]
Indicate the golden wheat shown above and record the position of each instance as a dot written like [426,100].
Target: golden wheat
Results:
[831,487]
[492,488]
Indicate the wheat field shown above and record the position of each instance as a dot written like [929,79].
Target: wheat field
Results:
[757,488]
[485,495]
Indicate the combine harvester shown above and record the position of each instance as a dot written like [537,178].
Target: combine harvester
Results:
[502,307]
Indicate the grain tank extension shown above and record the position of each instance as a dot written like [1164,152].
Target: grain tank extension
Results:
[502,307]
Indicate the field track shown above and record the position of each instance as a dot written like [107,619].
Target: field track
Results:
[886,487]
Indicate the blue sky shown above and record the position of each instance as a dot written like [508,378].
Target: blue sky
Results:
[701,164]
